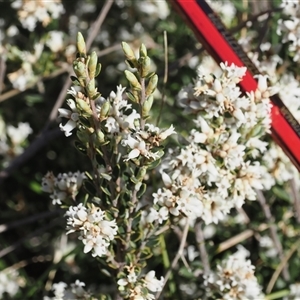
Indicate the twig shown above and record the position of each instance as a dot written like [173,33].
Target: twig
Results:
[239,238]
[296,199]
[31,219]
[178,255]
[2,73]
[201,247]
[37,232]
[273,231]
[15,92]
[163,98]
[281,266]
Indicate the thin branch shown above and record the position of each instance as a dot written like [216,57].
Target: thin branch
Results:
[201,247]
[37,232]
[30,219]
[2,73]
[178,255]
[296,199]
[15,92]
[163,98]
[273,231]
[281,266]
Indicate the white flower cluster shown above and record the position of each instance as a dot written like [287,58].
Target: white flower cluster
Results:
[280,168]
[268,247]
[140,287]
[218,169]
[25,75]
[234,279]
[290,28]
[294,292]
[62,292]
[8,283]
[96,230]
[225,9]
[12,140]
[64,186]
[290,93]
[32,12]
[122,123]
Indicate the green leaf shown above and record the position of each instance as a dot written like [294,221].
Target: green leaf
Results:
[142,190]
[75,80]
[98,70]
[106,176]
[116,171]
[80,147]
[105,191]
[89,187]
[281,193]
[154,164]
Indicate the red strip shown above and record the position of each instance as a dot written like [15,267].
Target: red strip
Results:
[217,45]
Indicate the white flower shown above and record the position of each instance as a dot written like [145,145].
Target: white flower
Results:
[55,41]
[63,186]
[96,232]
[9,283]
[152,283]
[234,276]
[72,116]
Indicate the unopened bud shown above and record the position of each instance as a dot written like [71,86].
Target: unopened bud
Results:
[129,54]
[143,51]
[81,44]
[104,110]
[141,174]
[84,107]
[100,137]
[147,107]
[152,85]
[144,66]
[91,88]
[132,80]
[92,66]
[79,69]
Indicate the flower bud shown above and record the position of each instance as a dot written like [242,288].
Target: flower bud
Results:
[141,173]
[84,107]
[129,54]
[92,65]
[144,66]
[79,69]
[147,107]
[81,44]
[104,110]
[152,85]
[91,88]
[100,137]
[143,51]
[134,83]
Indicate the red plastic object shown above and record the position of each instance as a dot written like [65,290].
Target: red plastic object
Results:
[222,46]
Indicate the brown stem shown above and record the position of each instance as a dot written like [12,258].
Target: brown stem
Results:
[273,231]
[177,257]
[201,247]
